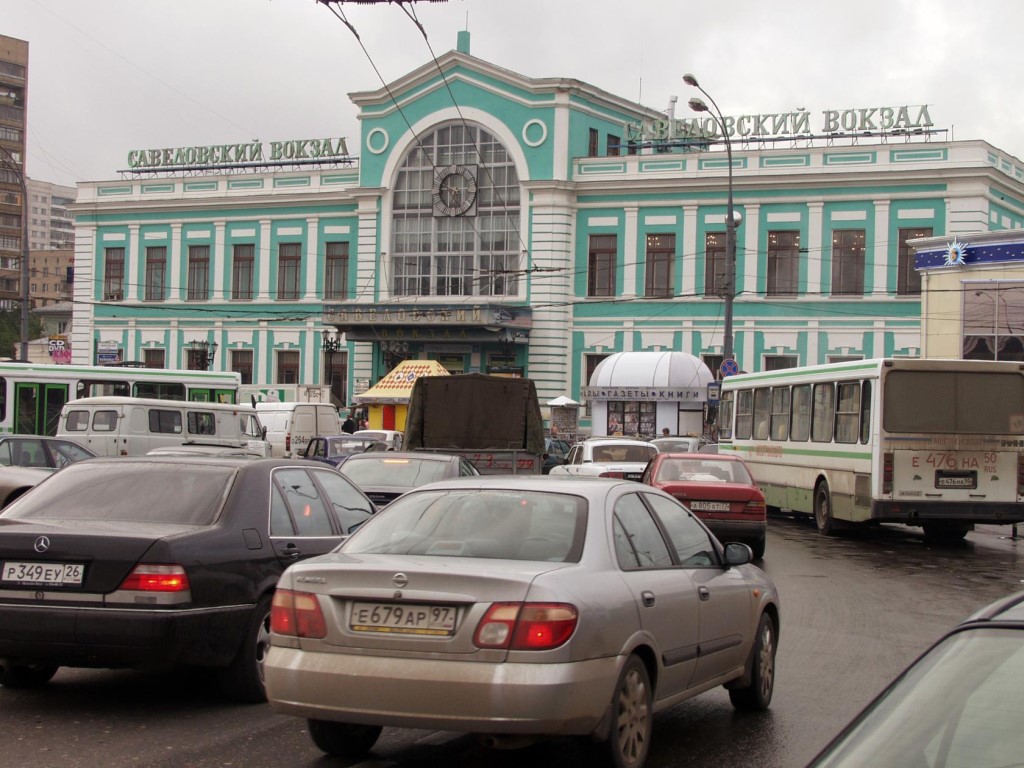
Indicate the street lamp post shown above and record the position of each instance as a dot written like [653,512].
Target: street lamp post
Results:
[11,164]
[330,344]
[205,351]
[732,217]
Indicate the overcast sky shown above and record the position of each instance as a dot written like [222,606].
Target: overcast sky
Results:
[110,76]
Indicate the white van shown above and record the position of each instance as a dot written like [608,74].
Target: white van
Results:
[133,426]
[291,425]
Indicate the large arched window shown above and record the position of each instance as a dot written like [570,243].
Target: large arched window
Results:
[456,217]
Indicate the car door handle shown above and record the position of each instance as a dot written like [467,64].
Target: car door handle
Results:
[292,552]
[647,598]
[704,593]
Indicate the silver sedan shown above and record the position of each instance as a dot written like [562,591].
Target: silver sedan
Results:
[516,608]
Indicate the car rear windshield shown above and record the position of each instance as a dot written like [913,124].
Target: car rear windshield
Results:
[702,471]
[478,523]
[404,473]
[184,494]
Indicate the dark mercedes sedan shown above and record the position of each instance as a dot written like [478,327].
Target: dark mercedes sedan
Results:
[161,561]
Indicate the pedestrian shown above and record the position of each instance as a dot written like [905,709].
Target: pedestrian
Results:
[363,424]
[664,432]
[349,426]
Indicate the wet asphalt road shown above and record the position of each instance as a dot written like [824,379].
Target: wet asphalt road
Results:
[856,610]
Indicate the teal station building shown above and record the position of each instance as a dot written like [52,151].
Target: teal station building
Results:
[504,224]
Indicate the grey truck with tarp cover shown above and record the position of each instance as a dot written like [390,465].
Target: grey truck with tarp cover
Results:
[494,421]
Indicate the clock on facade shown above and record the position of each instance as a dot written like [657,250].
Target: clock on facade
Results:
[454,190]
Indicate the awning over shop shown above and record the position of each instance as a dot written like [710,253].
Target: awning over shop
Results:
[396,387]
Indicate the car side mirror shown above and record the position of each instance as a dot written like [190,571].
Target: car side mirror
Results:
[737,553]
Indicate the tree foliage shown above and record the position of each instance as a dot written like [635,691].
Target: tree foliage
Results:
[10,331]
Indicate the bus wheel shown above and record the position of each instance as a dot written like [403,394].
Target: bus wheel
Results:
[823,509]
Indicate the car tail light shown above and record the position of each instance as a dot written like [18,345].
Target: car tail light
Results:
[887,471]
[756,507]
[1020,474]
[287,441]
[297,614]
[149,577]
[620,475]
[526,626]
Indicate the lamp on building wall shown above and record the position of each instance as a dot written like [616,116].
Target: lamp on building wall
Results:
[204,353]
[732,218]
[8,161]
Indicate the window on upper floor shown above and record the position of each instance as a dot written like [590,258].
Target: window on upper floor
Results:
[592,142]
[659,274]
[153,358]
[198,273]
[783,262]
[113,274]
[289,267]
[243,260]
[614,146]
[601,265]
[848,262]
[336,271]
[287,367]
[908,279]
[241,363]
[156,274]
[456,215]
[714,264]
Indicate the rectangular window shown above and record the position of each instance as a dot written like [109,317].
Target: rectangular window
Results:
[779,362]
[113,274]
[908,279]
[289,265]
[762,412]
[848,262]
[165,422]
[661,256]
[243,263]
[865,412]
[614,148]
[725,416]
[783,263]
[847,411]
[153,358]
[780,413]
[800,403]
[336,271]
[744,414]
[198,273]
[455,275]
[714,264]
[412,275]
[241,363]
[592,141]
[714,364]
[201,423]
[601,265]
[824,413]
[288,367]
[156,273]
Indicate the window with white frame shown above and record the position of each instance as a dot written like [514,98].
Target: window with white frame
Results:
[783,262]
[659,275]
[848,262]
[198,272]
[449,239]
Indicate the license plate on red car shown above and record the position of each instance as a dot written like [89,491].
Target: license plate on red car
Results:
[42,574]
[392,618]
[709,506]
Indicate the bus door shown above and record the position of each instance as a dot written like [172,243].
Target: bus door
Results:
[37,407]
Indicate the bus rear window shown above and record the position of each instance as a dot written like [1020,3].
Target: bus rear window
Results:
[954,402]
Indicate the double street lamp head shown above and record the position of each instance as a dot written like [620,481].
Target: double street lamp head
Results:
[698,105]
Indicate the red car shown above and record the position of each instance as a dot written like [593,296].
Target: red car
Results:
[716,488]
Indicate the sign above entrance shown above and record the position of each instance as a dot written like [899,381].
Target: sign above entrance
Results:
[491,316]
[252,154]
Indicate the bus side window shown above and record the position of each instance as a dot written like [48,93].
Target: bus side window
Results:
[865,412]
[780,413]
[847,411]
[744,414]
[762,412]
[824,414]
[800,427]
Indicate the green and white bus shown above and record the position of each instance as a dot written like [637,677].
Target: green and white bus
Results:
[31,395]
[930,443]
